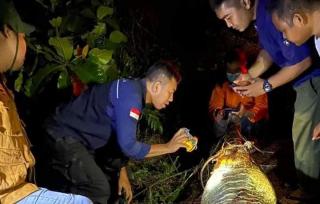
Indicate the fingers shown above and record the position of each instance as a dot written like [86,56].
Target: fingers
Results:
[316,134]
[129,195]
[240,88]
[218,118]
[316,138]
[180,131]
[127,191]
[119,189]
[180,138]
[236,81]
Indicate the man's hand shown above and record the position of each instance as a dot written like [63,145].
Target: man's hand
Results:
[218,115]
[241,111]
[253,90]
[316,132]
[177,141]
[124,184]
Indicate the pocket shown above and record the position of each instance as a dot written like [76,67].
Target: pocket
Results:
[13,169]
[76,172]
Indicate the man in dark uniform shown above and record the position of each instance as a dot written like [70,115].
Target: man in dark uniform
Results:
[82,126]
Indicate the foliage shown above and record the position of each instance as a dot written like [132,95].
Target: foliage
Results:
[158,180]
[152,119]
[82,44]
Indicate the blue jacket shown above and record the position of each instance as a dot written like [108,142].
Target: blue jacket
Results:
[283,53]
[100,111]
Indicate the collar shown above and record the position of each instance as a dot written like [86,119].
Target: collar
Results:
[143,85]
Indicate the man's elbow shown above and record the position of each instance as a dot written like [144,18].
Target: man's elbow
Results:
[134,151]
[305,64]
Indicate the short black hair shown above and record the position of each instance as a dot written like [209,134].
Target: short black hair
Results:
[170,69]
[285,9]
[215,4]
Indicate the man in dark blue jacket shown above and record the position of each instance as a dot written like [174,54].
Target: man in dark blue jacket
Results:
[86,124]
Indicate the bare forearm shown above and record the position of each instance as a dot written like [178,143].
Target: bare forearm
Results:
[262,64]
[123,171]
[176,142]
[158,149]
[289,73]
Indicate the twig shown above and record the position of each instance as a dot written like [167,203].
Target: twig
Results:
[160,181]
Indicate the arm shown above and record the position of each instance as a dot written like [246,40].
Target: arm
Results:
[126,112]
[172,146]
[216,103]
[260,108]
[285,75]
[126,128]
[216,100]
[262,64]
[316,132]
[124,183]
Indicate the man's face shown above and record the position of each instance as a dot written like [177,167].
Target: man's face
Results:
[233,67]
[22,50]
[163,93]
[298,33]
[12,49]
[236,17]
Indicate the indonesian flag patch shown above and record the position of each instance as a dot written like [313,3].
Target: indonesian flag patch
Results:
[135,113]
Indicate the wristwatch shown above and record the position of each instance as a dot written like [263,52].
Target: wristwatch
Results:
[267,87]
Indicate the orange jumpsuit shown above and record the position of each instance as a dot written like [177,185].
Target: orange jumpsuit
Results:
[224,97]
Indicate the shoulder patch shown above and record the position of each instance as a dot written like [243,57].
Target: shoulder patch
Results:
[135,113]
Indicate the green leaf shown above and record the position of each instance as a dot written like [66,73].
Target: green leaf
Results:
[118,37]
[56,22]
[101,56]
[85,51]
[35,81]
[113,23]
[90,71]
[111,72]
[152,117]
[104,11]
[88,13]
[18,82]
[74,23]
[63,80]
[111,45]
[99,29]
[50,55]
[27,88]
[63,47]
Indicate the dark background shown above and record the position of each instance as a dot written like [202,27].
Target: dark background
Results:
[189,32]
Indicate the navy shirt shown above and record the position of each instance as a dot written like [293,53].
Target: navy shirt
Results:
[102,109]
[283,53]
[127,101]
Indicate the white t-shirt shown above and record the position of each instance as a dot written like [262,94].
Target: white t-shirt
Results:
[317,43]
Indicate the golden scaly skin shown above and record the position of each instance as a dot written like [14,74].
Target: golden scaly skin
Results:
[237,179]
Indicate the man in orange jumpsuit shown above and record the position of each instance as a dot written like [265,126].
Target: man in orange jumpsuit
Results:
[253,111]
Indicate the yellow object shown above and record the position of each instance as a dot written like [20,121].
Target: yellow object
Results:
[191,144]
[235,178]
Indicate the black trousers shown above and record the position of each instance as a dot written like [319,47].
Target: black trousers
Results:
[77,170]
